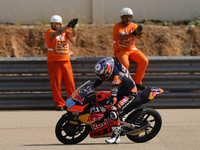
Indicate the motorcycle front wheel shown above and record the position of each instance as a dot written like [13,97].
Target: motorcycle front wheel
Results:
[142,117]
[69,134]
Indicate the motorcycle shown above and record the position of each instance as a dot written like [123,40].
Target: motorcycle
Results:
[141,124]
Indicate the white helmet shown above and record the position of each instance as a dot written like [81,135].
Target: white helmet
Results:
[56,18]
[126,11]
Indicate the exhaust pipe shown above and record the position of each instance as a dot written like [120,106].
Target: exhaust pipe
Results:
[137,130]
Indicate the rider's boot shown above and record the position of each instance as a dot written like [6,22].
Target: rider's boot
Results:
[115,139]
[124,118]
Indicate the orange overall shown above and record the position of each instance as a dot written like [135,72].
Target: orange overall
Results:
[59,66]
[126,49]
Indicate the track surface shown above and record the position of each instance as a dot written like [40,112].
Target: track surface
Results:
[34,130]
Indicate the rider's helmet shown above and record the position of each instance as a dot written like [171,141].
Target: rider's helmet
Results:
[104,68]
[126,11]
[55,19]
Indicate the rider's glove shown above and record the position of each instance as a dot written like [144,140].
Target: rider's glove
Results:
[138,31]
[111,101]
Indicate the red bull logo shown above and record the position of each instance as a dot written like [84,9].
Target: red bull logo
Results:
[108,70]
[103,124]
[77,97]
[95,117]
[124,100]
[153,94]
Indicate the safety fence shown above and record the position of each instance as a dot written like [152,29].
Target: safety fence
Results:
[24,82]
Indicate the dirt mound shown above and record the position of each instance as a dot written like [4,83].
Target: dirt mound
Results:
[96,40]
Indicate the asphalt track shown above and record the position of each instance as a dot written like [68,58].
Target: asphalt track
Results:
[34,130]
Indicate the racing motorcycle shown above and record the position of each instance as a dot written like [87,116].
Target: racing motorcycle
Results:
[141,124]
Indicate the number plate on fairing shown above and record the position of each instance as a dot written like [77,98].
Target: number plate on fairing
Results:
[70,103]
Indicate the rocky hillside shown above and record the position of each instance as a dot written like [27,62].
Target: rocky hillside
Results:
[96,40]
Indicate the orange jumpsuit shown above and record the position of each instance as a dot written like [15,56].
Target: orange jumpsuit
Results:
[126,49]
[59,66]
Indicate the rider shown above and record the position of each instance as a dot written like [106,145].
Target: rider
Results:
[122,93]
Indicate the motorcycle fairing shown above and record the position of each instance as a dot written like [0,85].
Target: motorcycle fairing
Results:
[101,128]
[84,119]
[90,118]
[155,92]
[149,93]
[76,108]
[101,132]
[102,95]
[83,98]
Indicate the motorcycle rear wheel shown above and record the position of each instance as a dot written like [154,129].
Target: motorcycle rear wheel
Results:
[75,137]
[140,118]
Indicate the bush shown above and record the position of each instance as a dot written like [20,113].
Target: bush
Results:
[165,23]
[196,22]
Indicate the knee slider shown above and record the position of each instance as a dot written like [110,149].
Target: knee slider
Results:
[114,115]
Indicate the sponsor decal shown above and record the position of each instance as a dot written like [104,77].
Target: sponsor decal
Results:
[125,43]
[73,109]
[123,101]
[91,95]
[90,91]
[114,82]
[75,113]
[70,103]
[101,132]
[100,125]
[153,94]
[112,108]
[77,97]
[94,117]
[108,69]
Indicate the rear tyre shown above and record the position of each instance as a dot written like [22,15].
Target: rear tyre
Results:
[69,134]
[141,117]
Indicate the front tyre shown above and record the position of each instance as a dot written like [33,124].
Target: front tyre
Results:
[69,134]
[141,117]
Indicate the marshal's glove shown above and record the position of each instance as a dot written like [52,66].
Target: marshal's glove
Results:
[138,31]
[72,23]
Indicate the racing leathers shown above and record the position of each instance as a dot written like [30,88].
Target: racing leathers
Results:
[122,92]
